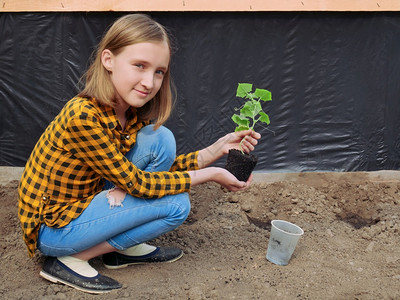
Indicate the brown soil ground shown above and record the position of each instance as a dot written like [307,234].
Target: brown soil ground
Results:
[350,249]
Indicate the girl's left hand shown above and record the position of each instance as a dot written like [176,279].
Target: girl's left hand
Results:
[232,141]
[223,145]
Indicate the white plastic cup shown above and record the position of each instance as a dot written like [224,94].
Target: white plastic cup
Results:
[282,241]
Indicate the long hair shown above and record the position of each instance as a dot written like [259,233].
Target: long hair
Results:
[126,31]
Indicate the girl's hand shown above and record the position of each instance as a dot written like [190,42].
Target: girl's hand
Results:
[229,181]
[227,142]
[232,141]
[221,176]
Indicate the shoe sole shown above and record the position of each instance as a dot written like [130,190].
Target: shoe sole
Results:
[58,280]
[141,263]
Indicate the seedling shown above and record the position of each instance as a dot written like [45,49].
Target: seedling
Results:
[251,111]
[239,163]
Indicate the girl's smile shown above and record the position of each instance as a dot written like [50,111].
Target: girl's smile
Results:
[141,93]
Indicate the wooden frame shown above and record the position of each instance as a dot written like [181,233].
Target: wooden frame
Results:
[197,5]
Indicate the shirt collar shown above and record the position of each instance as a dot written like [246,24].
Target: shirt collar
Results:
[111,119]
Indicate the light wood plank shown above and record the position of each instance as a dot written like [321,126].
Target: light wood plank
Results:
[197,5]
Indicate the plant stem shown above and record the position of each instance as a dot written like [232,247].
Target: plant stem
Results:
[254,117]
[240,144]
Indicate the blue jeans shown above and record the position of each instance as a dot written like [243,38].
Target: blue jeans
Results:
[138,220]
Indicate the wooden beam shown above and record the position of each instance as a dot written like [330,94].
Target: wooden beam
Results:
[197,5]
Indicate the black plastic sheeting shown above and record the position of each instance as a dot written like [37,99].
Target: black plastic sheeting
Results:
[334,78]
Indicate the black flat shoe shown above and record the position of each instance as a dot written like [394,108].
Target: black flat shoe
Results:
[55,271]
[115,260]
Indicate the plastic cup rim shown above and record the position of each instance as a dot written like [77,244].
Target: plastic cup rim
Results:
[287,222]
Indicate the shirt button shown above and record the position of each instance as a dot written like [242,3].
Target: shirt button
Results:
[44,198]
[127,137]
[130,184]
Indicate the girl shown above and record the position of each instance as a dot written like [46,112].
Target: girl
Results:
[102,179]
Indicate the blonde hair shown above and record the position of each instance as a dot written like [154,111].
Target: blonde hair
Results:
[129,30]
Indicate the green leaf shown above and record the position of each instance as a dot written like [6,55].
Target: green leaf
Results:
[243,89]
[241,120]
[257,107]
[241,128]
[248,110]
[251,109]
[264,118]
[264,95]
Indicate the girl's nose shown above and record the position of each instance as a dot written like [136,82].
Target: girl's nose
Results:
[148,80]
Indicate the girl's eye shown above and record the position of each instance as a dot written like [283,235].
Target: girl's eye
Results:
[160,72]
[139,66]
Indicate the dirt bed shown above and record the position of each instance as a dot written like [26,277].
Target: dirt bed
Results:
[350,249]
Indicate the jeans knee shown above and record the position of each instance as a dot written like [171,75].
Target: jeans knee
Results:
[182,208]
[166,138]
[158,145]
[162,134]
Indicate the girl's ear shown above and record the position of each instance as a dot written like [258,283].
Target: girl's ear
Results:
[107,59]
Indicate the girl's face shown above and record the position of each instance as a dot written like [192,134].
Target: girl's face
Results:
[137,72]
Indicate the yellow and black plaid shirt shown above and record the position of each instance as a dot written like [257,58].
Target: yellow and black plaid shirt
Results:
[84,145]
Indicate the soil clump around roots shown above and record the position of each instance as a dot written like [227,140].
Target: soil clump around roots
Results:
[350,248]
[240,164]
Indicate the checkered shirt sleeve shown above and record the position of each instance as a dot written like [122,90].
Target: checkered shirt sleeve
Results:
[185,162]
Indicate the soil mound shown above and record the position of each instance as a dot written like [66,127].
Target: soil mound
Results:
[350,249]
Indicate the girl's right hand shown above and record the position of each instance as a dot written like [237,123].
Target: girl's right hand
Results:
[229,181]
[220,176]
